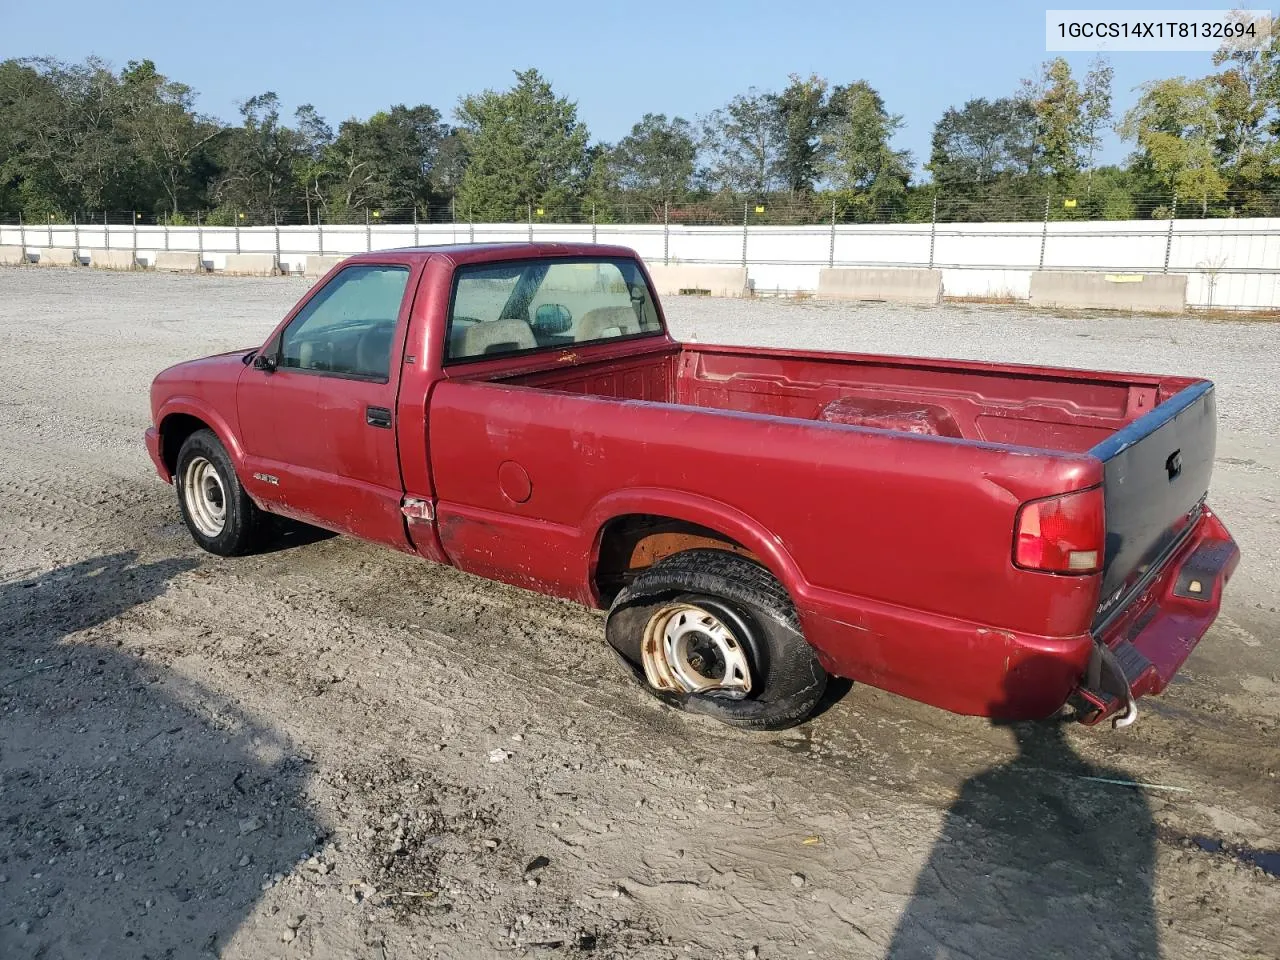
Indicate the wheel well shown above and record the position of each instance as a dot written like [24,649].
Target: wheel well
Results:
[631,543]
[173,434]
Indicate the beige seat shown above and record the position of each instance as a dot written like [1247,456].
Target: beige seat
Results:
[491,336]
[603,321]
[373,352]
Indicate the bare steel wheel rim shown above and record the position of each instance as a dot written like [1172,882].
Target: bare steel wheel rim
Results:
[205,496]
[687,649]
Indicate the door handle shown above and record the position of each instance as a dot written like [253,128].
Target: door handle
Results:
[377,417]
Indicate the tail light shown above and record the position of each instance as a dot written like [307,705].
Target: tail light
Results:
[1064,534]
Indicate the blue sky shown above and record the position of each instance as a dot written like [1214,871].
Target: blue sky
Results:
[617,60]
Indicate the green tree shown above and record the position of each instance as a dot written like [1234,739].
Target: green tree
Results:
[79,132]
[314,138]
[983,142]
[1177,131]
[167,135]
[803,114]
[28,180]
[859,158]
[656,161]
[261,159]
[744,140]
[1059,108]
[1246,99]
[389,160]
[525,145]
[1097,111]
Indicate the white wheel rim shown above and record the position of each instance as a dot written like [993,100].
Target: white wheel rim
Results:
[687,649]
[205,497]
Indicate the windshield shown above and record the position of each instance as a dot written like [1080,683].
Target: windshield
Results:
[515,307]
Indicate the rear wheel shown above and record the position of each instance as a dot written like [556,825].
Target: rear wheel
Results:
[220,515]
[714,633]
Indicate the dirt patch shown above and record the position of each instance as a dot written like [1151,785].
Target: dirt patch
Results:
[331,750]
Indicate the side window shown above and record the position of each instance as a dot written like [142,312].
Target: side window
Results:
[521,306]
[347,328]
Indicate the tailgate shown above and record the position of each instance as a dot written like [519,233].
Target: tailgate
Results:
[1156,475]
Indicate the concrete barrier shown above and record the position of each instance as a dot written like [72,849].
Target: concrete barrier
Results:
[57,257]
[178,261]
[896,285]
[706,281]
[111,259]
[12,256]
[251,264]
[318,266]
[1145,292]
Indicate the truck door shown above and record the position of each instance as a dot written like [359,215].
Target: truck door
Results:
[317,412]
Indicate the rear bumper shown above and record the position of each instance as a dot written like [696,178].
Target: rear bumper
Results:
[152,437]
[984,671]
[1151,640]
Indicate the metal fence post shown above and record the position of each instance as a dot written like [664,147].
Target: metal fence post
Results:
[1168,240]
[50,244]
[1044,230]
[744,233]
[199,243]
[529,207]
[933,230]
[831,248]
[134,221]
[593,223]
[236,215]
[106,233]
[75,226]
[471,225]
[415,226]
[22,236]
[368,232]
[166,232]
[279,265]
[666,232]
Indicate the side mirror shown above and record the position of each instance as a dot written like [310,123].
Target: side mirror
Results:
[264,361]
[552,318]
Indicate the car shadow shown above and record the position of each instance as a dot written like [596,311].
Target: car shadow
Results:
[141,815]
[1037,857]
[286,534]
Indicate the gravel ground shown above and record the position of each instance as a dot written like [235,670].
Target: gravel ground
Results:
[329,750]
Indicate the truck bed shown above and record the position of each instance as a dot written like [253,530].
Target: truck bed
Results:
[1139,426]
[1059,410]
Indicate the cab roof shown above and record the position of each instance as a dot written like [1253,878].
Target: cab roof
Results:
[460,253]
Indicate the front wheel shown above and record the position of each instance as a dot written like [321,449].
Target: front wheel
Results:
[220,515]
[714,633]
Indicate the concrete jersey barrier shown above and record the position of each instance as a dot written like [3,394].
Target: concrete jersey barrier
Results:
[12,256]
[177,261]
[250,264]
[895,285]
[1145,292]
[112,259]
[707,281]
[57,257]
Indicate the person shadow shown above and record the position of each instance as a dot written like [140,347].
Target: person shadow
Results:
[1034,860]
[140,814]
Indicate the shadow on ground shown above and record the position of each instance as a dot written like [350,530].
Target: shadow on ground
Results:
[138,815]
[1034,860]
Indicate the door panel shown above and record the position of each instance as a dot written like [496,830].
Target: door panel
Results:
[319,429]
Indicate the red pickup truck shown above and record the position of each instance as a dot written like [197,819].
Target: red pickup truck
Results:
[995,540]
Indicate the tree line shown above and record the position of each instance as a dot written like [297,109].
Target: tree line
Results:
[81,137]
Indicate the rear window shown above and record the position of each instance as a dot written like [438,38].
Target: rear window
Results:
[526,305]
